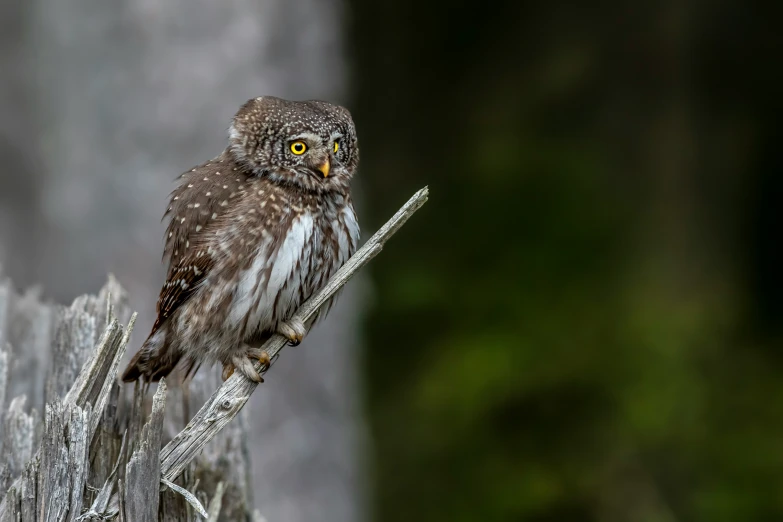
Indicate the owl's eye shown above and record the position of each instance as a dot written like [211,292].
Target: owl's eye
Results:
[336,146]
[298,147]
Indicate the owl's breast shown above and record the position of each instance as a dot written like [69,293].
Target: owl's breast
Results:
[289,265]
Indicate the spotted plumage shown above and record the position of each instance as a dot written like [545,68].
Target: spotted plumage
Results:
[251,235]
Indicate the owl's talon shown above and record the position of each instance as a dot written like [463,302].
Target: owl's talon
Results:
[261,356]
[264,359]
[294,330]
[228,371]
[244,363]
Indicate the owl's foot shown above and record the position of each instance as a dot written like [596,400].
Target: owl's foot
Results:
[228,371]
[244,363]
[294,330]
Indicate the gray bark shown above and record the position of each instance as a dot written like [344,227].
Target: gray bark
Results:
[52,483]
[74,464]
[143,469]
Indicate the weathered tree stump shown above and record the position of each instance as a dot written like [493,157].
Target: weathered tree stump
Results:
[91,456]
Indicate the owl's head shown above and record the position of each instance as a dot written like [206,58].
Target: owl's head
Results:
[310,144]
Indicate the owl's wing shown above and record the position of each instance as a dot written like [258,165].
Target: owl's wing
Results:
[182,281]
[204,195]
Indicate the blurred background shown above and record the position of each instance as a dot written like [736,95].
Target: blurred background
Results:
[584,323]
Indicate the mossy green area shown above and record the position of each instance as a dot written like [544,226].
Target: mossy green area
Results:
[584,322]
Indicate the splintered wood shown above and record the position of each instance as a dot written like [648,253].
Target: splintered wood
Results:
[74,444]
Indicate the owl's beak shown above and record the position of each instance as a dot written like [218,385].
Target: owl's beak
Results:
[324,167]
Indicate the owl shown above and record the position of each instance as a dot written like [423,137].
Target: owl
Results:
[252,234]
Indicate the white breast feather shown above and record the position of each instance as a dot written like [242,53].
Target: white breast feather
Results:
[351,223]
[257,297]
[244,293]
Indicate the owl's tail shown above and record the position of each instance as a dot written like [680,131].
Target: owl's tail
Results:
[155,359]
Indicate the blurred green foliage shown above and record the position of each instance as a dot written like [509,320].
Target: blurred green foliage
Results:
[593,287]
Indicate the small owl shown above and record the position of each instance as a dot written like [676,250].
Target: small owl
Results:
[252,234]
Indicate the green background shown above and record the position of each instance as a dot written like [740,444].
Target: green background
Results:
[584,322]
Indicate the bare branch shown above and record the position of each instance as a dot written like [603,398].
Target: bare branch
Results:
[190,497]
[228,400]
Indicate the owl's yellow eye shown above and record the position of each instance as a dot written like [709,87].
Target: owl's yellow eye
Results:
[336,146]
[298,147]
